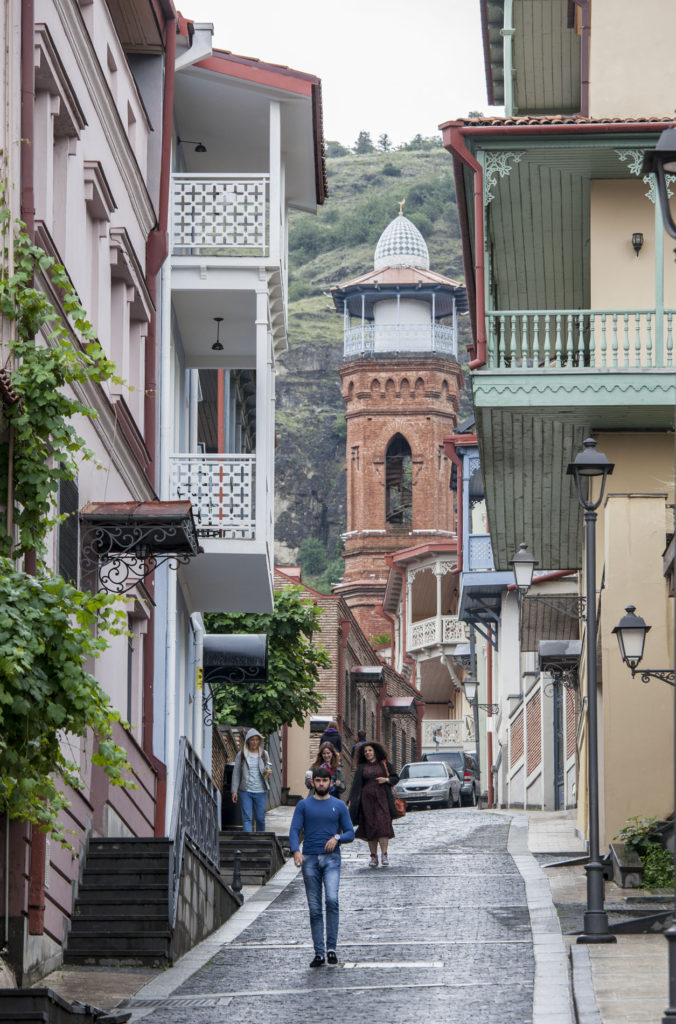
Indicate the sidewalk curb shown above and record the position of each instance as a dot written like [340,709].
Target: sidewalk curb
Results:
[584,997]
[256,902]
[552,1000]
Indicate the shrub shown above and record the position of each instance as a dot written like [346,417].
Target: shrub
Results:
[391,170]
[658,867]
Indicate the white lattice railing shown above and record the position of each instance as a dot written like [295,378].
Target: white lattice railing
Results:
[575,338]
[366,338]
[220,214]
[443,732]
[221,489]
[441,629]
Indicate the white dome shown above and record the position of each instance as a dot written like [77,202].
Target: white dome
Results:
[401,245]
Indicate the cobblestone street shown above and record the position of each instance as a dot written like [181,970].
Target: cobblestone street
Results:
[442,935]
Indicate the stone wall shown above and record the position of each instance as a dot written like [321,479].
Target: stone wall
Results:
[204,901]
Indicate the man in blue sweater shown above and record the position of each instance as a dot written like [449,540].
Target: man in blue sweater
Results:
[325,822]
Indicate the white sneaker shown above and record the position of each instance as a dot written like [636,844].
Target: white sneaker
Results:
[384,860]
[373,863]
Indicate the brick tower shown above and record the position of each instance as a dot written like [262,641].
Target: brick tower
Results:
[400,383]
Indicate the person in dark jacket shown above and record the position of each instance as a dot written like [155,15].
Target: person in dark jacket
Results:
[331,735]
[371,801]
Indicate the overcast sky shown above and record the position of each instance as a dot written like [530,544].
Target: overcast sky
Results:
[395,66]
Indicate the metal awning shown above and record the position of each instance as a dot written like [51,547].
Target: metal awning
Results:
[549,618]
[398,703]
[232,658]
[124,541]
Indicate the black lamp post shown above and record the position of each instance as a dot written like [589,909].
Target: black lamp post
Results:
[660,162]
[589,465]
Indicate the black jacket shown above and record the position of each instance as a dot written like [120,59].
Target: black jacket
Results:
[354,800]
[331,736]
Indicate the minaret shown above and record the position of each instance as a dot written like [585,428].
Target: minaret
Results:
[400,381]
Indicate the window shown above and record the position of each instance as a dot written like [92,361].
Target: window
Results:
[68,535]
[373,725]
[398,482]
[414,749]
[393,751]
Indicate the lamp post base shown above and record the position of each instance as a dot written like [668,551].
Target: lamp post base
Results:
[596,928]
[670,1012]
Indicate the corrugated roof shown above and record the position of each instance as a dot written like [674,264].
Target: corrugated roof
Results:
[553,119]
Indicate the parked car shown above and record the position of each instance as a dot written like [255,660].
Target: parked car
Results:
[421,783]
[465,765]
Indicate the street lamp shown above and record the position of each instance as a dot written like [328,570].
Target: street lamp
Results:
[660,162]
[587,466]
[523,564]
[470,687]
[631,632]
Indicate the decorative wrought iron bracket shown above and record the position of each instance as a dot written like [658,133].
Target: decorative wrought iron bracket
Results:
[490,709]
[124,542]
[666,675]
[564,673]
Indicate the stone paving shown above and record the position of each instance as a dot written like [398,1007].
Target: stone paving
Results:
[443,935]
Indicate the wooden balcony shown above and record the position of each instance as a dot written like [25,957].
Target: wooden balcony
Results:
[439,630]
[636,339]
[232,507]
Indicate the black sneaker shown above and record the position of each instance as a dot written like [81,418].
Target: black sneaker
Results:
[318,961]
[331,957]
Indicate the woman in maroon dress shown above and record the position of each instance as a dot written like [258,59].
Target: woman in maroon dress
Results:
[371,800]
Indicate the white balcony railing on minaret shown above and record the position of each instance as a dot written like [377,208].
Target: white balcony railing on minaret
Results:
[222,491]
[220,215]
[367,338]
[441,629]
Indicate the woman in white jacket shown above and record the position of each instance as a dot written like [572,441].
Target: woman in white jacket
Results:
[250,783]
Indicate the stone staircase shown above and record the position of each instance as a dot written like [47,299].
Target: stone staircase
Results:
[262,855]
[121,915]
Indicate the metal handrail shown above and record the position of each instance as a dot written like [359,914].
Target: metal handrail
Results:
[194,816]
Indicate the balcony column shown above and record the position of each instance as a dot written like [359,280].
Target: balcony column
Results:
[263,358]
[275,181]
[409,591]
[438,572]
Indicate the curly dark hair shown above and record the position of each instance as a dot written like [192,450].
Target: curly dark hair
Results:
[378,750]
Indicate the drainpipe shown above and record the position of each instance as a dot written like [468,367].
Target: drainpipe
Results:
[585,37]
[157,249]
[489,733]
[197,626]
[27,115]
[454,141]
[344,627]
[507,33]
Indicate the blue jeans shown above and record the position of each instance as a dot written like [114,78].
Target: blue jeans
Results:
[252,804]
[322,869]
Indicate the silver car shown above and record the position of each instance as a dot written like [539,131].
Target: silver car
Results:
[429,782]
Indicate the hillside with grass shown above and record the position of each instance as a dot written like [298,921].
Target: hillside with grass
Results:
[331,248]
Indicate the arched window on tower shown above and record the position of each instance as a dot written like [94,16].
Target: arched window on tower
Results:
[398,482]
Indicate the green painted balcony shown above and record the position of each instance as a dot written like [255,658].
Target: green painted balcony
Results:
[600,339]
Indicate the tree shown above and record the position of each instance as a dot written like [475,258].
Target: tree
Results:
[312,556]
[385,143]
[294,661]
[333,148]
[364,143]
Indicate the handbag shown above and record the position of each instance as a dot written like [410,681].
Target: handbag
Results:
[399,802]
[399,807]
